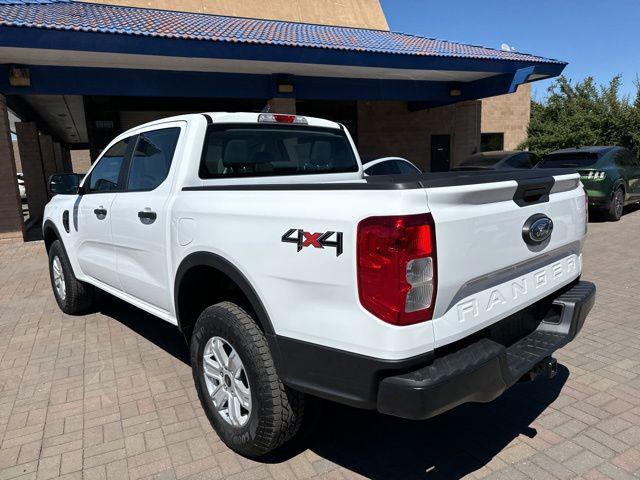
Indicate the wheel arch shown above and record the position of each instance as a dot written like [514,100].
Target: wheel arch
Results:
[210,265]
[620,183]
[50,234]
[617,184]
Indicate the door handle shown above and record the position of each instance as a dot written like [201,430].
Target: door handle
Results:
[100,212]
[147,216]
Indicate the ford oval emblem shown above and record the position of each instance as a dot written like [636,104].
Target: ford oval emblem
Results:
[537,229]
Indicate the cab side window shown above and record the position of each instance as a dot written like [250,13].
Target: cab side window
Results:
[533,159]
[522,160]
[151,159]
[105,176]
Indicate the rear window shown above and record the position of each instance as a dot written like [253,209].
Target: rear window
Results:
[568,160]
[250,150]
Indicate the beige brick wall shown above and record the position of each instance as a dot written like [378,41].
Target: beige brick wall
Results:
[508,114]
[283,105]
[347,13]
[387,128]
[466,130]
[80,160]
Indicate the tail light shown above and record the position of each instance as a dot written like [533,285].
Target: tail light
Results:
[397,267]
[596,175]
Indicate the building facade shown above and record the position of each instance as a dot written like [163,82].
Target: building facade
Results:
[77,74]
[383,128]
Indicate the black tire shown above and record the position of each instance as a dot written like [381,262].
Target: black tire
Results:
[617,203]
[276,410]
[78,296]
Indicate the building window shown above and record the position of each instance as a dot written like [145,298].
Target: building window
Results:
[491,141]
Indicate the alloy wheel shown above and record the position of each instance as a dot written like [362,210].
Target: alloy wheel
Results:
[227,382]
[619,203]
[58,278]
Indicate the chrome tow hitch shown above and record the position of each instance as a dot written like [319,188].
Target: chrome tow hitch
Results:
[550,367]
[547,367]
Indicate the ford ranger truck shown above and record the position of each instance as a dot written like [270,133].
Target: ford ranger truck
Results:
[294,277]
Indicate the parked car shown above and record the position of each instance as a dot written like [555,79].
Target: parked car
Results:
[498,160]
[293,276]
[21,188]
[611,175]
[390,166]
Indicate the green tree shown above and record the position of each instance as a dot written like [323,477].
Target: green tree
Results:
[583,114]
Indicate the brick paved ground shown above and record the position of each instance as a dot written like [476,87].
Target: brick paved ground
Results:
[110,395]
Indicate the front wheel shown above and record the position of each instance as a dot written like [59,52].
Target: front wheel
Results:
[72,295]
[617,205]
[249,407]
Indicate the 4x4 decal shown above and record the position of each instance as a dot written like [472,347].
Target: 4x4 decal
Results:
[317,240]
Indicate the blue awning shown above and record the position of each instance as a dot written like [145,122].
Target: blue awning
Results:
[96,48]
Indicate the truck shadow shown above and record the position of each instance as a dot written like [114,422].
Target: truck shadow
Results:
[377,446]
[153,329]
[451,445]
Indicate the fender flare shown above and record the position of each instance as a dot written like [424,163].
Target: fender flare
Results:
[49,225]
[224,266]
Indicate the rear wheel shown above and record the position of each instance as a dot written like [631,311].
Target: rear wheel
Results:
[617,205]
[72,295]
[249,407]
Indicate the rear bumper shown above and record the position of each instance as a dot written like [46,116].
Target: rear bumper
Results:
[599,202]
[474,369]
[483,370]
[599,197]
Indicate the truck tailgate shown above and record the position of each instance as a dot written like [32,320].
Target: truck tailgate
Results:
[486,269]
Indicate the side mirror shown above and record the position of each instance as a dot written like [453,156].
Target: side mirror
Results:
[64,183]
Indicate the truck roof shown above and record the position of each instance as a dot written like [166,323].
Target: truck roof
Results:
[236,117]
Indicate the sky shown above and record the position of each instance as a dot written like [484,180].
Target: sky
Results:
[599,38]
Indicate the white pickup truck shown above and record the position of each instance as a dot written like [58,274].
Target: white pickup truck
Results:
[293,276]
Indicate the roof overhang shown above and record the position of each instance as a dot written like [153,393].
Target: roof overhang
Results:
[80,62]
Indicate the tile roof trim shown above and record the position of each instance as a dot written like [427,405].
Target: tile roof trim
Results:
[499,55]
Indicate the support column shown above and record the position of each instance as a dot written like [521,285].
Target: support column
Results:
[57,155]
[48,158]
[67,166]
[34,182]
[283,105]
[11,221]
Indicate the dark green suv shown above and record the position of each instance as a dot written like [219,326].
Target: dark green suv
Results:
[611,175]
